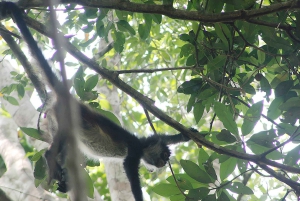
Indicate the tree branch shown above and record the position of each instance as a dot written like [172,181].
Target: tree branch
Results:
[172,12]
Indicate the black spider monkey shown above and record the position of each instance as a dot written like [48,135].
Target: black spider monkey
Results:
[100,137]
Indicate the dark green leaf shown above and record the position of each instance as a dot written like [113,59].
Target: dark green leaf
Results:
[191,61]
[209,168]
[91,12]
[91,83]
[210,198]
[125,26]
[292,157]
[182,180]
[226,136]
[227,167]
[202,157]
[38,155]
[20,90]
[226,117]
[11,100]
[186,50]
[283,88]
[32,132]
[2,167]
[190,87]
[198,111]
[89,184]
[265,86]
[293,102]
[40,168]
[110,116]
[198,193]
[242,165]
[165,190]
[239,188]
[79,82]
[274,112]
[157,18]
[92,163]
[224,197]
[100,28]
[216,63]
[251,117]
[194,171]
[191,103]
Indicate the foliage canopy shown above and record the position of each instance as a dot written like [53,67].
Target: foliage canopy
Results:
[230,68]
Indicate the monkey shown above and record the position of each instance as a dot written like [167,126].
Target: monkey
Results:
[102,138]
[99,136]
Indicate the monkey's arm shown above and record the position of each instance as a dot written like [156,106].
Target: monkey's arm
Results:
[131,166]
[173,139]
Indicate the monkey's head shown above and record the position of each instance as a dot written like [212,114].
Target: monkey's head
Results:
[155,152]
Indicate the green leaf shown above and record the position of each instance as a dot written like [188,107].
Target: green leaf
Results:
[89,184]
[91,83]
[125,26]
[224,196]
[190,87]
[157,18]
[100,28]
[165,190]
[226,117]
[110,116]
[91,12]
[261,57]
[242,165]
[265,85]
[198,193]
[191,103]
[92,163]
[251,117]
[2,167]
[216,63]
[119,41]
[264,138]
[194,171]
[186,50]
[79,82]
[191,60]
[221,34]
[202,157]
[226,136]
[291,103]
[186,37]
[183,181]
[38,155]
[20,90]
[283,88]
[210,198]
[11,100]
[239,188]
[292,157]
[198,111]
[209,168]
[274,112]
[144,29]
[32,132]
[227,168]
[40,169]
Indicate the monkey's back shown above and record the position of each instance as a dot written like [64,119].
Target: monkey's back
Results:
[101,137]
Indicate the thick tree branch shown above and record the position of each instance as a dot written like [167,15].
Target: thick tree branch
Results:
[170,11]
